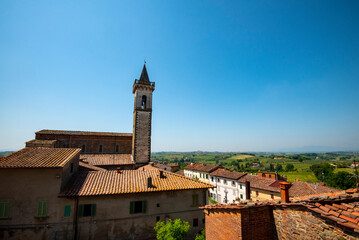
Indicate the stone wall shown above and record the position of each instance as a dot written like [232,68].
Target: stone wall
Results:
[142,136]
[297,222]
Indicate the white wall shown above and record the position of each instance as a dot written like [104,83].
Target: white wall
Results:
[225,186]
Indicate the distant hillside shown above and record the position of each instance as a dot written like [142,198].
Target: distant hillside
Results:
[3,154]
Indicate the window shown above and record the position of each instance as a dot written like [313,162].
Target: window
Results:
[207,176]
[212,179]
[240,186]
[194,200]
[117,148]
[158,205]
[67,211]
[158,218]
[195,222]
[83,148]
[257,193]
[143,103]
[100,148]
[218,180]
[138,207]
[225,181]
[272,196]
[42,209]
[71,168]
[4,209]
[87,210]
[203,220]
[233,183]
[241,196]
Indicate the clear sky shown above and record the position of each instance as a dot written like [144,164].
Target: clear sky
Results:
[230,75]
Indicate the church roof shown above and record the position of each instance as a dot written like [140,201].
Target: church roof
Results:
[144,75]
[95,183]
[107,159]
[65,132]
[39,158]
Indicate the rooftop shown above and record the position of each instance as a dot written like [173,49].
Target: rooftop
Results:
[39,158]
[225,173]
[107,159]
[45,142]
[300,188]
[80,133]
[202,167]
[90,167]
[128,181]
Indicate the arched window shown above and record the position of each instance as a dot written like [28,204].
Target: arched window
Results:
[117,148]
[143,103]
[83,148]
[100,149]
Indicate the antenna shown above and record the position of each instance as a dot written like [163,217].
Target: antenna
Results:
[356,173]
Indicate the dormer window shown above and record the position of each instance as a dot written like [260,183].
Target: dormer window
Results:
[143,102]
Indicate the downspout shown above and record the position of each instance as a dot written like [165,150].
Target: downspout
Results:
[75,224]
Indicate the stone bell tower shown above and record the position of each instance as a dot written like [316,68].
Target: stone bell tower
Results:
[142,114]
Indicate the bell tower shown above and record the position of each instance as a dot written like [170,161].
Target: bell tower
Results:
[142,115]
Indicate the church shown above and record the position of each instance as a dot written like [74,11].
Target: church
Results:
[95,185]
[111,150]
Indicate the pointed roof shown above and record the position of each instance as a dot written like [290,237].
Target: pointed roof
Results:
[144,75]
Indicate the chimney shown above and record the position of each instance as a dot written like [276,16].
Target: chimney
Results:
[149,182]
[284,191]
[162,175]
[248,190]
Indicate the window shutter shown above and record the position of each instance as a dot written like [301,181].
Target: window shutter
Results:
[39,209]
[6,215]
[144,206]
[81,210]
[93,210]
[132,207]
[67,211]
[4,209]
[44,209]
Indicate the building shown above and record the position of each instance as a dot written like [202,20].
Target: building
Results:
[227,187]
[200,171]
[123,150]
[48,197]
[324,216]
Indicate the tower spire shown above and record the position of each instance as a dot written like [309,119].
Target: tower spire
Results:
[144,75]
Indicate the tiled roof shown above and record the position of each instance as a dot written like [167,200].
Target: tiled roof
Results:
[180,172]
[91,167]
[128,181]
[202,167]
[65,132]
[107,159]
[45,142]
[225,173]
[300,188]
[260,183]
[39,158]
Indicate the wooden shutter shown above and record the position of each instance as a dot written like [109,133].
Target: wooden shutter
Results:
[39,209]
[81,210]
[67,212]
[144,206]
[4,209]
[93,210]
[132,207]
[44,208]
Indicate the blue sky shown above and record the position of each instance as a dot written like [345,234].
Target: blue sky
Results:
[230,76]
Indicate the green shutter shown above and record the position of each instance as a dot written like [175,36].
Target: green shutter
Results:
[132,207]
[144,206]
[4,209]
[39,209]
[67,211]
[81,210]
[93,210]
[44,208]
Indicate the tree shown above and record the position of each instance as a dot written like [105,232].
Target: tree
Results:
[202,235]
[172,230]
[289,167]
[342,180]
[322,171]
[279,167]
[271,167]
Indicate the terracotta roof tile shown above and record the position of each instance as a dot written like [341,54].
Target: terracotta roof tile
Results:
[260,183]
[107,159]
[40,142]
[225,173]
[91,167]
[65,132]
[39,158]
[202,167]
[128,181]
[300,188]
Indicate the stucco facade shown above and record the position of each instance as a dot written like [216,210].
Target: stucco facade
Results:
[227,190]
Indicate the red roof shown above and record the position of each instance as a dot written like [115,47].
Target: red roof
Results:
[202,167]
[225,173]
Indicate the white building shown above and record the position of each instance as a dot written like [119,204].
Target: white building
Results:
[227,188]
[200,171]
